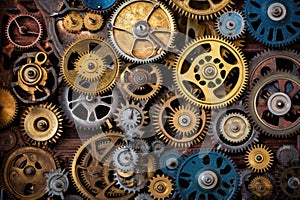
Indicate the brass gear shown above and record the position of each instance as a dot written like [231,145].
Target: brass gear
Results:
[261,187]
[73,22]
[93,21]
[259,158]
[160,187]
[24,172]
[41,125]
[78,49]
[211,72]
[8,107]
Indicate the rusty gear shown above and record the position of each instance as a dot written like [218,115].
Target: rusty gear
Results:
[160,187]
[8,107]
[73,22]
[93,21]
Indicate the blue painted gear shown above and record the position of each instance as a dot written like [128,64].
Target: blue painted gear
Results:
[99,5]
[207,175]
[169,162]
[274,23]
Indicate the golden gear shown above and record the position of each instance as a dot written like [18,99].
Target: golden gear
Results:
[160,187]
[8,108]
[141,82]
[73,22]
[78,49]
[235,127]
[259,158]
[261,187]
[203,10]
[41,125]
[179,123]
[24,172]
[141,31]
[211,72]
[92,21]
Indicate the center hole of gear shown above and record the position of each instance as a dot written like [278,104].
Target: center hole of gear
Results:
[294,182]
[184,120]
[29,171]
[277,11]
[230,25]
[209,72]
[172,163]
[140,78]
[259,158]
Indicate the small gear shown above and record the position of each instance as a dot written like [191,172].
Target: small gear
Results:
[143,196]
[287,154]
[169,161]
[231,25]
[125,159]
[259,158]
[8,107]
[57,183]
[158,147]
[41,125]
[93,21]
[73,22]
[261,187]
[24,31]
[99,5]
[160,187]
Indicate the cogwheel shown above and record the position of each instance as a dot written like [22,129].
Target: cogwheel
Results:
[125,158]
[160,187]
[57,183]
[203,11]
[273,23]
[142,31]
[99,5]
[92,21]
[73,22]
[231,24]
[8,107]
[261,187]
[259,158]
[287,154]
[273,104]
[104,51]
[143,196]
[24,31]
[211,72]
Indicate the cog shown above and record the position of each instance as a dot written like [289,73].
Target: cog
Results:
[169,161]
[286,155]
[73,22]
[125,159]
[211,72]
[93,21]
[273,23]
[99,5]
[200,177]
[143,196]
[57,183]
[8,107]
[261,187]
[231,25]
[80,48]
[24,31]
[141,31]
[259,158]
[160,187]
[273,104]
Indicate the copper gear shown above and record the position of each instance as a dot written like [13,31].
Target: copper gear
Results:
[42,124]
[8,107]
[259,158]
[160,187]
[261,187]
[211,72]
[73,22]
[93,21]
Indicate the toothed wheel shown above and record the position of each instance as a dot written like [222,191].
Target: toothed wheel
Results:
[8,107]
[125,159]
[57,183]
[211,72]
[73,22]
[160,187]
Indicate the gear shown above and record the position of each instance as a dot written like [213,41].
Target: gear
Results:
[179,123]
[73,22]
[141,31]
[8,107]
[231,25]
[158,147]
[99,5]
[8,140]
[273,23]
[143,196]
[125,159]
[160,187]
[141,82]
[24,31]
[287,154]
[169,162]
[273,104]
[202,176]
[259,158]
[205,10]
[24,172]
[93,21]
[211,72]
[261,187]
[57,183]
[94,46]
[41,125]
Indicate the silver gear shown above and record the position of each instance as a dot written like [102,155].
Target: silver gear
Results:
[57,183]
[143,196]
[286,155]
[125,158]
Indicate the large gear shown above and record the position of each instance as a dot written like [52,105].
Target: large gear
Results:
[57,183]
[160,187]
[141,31]
[273,23]
[73,22]
[273,104]
[125,158]
[202,176]
[8,107]
[211,72]
[287,154]
[98,49]
[24,31]
[93,21]
[261,187]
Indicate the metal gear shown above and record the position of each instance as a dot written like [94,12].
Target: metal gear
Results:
[141,31]
[8,140]
[24,31]
[202,175]
[125,158]
[231,25]
[24,172]
[273,104]
[99,5]
[261,187]
[93,21]
[57,183]
[73,22]
[211,72]
[273,23]
[179,123]
[104,51]
[8,107]
[169,161]
[141,82]
[286,155]
[143,196]
[259,158]
[160,187]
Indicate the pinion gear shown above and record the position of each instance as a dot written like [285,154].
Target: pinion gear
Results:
[261,187]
